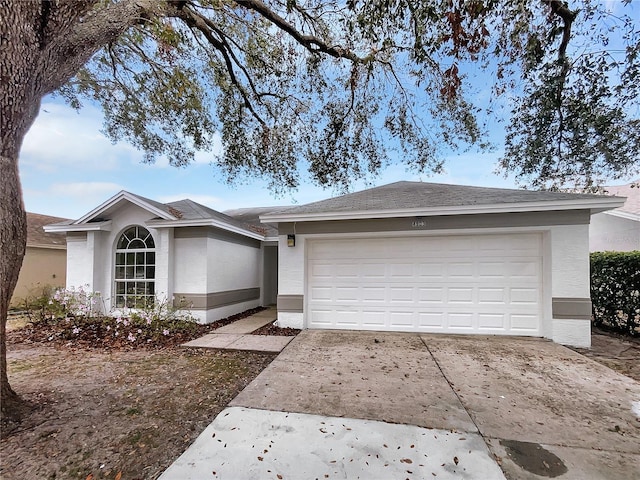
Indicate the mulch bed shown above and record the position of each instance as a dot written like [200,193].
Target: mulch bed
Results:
[271,329]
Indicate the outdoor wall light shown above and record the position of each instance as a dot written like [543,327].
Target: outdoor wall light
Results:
[291,240]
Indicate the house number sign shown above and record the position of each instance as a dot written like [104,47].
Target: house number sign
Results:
[419,223]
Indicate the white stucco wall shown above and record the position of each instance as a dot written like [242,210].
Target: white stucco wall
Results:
[291,278]
[609,232]
[570,279]
[79,261]
[570,261]
[190,265]
[232,266]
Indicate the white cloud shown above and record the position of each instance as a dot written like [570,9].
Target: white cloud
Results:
[62,138]
[85,190]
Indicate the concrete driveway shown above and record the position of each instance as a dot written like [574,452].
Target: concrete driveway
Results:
[535,408]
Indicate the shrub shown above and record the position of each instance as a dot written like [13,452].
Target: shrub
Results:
[74,316]
[615,291]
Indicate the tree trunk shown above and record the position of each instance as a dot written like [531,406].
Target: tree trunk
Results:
[13,240]
[42,46]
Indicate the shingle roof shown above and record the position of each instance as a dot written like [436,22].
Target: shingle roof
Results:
[632,205]
[37,236]
[190,210]
[252,216]
[408,195]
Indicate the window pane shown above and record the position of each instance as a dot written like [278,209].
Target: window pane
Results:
[120,287]
[137,243]
[149,242]
[129,272]
[122,243]
[151,288]
[119,272]
[119,301]
[119,258]
[151,258]
[131,259]
[139,272]
[139,258]
[150,273]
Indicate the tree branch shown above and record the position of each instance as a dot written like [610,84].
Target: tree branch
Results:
[310,42]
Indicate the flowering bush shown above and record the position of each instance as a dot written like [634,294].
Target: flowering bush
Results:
[75,315]
[615,291]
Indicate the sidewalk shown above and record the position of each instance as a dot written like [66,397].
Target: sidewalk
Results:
[237,335]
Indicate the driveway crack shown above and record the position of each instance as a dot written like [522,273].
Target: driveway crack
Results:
[451,386]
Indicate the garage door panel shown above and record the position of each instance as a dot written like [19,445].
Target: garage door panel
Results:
[321,293]
[347,294]
[348,318]
[524,322]
[465,284]
[491,270]
[460,320]
[434,295]
[401,295]
[461,270]
[524,296]
[374,294]
[492,321]
[460,295]
[374,319]
[401,319]
[431,320]
[492,295]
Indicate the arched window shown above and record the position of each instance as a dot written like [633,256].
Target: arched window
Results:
[135,269]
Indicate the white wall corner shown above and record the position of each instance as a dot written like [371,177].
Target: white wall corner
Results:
[290,320]
[575,333]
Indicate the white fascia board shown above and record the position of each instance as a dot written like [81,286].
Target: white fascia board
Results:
[46,246]
[207,222]
[591,204]
[118,197]
[85,227]
[623,214]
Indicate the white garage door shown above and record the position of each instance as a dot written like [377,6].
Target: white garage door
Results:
[457,284]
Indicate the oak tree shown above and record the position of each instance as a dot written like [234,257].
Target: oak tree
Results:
[333,88]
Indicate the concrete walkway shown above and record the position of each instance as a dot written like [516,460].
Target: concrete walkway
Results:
[237,335]
[248,444]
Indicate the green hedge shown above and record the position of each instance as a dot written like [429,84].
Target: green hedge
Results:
[615,291]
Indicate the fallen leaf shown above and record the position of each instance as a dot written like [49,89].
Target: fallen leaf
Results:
[406,460]
[118,476]
[90,476]
[279,477]
[260,458]
[455,460]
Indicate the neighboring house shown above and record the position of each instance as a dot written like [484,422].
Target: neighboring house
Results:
[618,230]
[45,260]
[407,257]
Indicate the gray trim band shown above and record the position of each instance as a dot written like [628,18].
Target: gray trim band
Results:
[207,301]
[571,308]
[290,303]
[444,222]
[215,233]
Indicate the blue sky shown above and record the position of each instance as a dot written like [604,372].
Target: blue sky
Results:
[68,167]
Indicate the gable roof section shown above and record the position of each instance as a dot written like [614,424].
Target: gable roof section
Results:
[404,199]
[182,213]
[37,237]
[631,207]
[157,208]
[252,216]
